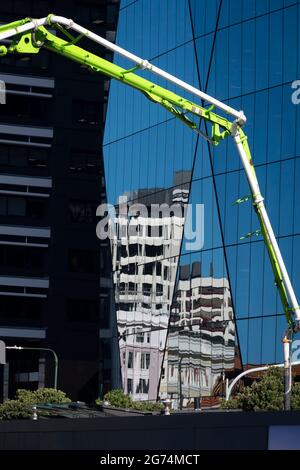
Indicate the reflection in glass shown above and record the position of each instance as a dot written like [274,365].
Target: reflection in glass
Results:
[250,61]
[145,247]
[201,339]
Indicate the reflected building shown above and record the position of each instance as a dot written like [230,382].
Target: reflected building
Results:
[201,337]
[144,273]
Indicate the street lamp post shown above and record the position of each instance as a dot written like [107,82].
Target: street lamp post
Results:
[41,349]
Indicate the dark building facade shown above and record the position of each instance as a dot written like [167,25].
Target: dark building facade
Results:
[225,313]
[55,287]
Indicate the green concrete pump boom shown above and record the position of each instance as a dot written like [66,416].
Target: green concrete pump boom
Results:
[31,35]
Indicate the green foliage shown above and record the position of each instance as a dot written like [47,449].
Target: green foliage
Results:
[231,404]
[42,396]
[15,409]
[21,406]
[118,399]
[146,406]
[24,395]
[265,394]
[295,399]
[50,395]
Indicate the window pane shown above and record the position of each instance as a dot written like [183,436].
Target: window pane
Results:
[16,206]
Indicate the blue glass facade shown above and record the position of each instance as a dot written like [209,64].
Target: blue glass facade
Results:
[219,310]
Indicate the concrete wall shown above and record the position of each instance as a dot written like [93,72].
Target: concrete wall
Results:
[197,431]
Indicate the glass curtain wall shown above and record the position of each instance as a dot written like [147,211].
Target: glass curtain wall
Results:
[195,312]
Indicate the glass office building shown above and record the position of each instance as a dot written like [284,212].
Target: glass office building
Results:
[194,313]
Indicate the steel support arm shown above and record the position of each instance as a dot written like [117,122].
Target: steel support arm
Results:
[177,105]
[29,24]
[282,280]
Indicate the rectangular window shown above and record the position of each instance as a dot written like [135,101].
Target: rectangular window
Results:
[147,289]
[82,310]
[26,259]
[84,162]
[139,335]
[14,156]
[142,386]
[18,157]
[16,206]
[35,208]
[130,360]
[158,269]
[21,309]
[123,250]
[132,288]
[24,109]
[159,289]
[148,268]
[153,250]
[145,360]
[129,385]
[22,207]
[133,249]
[83,212]
[86,112]
[83,261]
[92,13]
[3,205]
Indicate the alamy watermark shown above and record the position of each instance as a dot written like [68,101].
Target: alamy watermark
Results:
[2,92]
[170,222]
[296,94]
[296,350]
